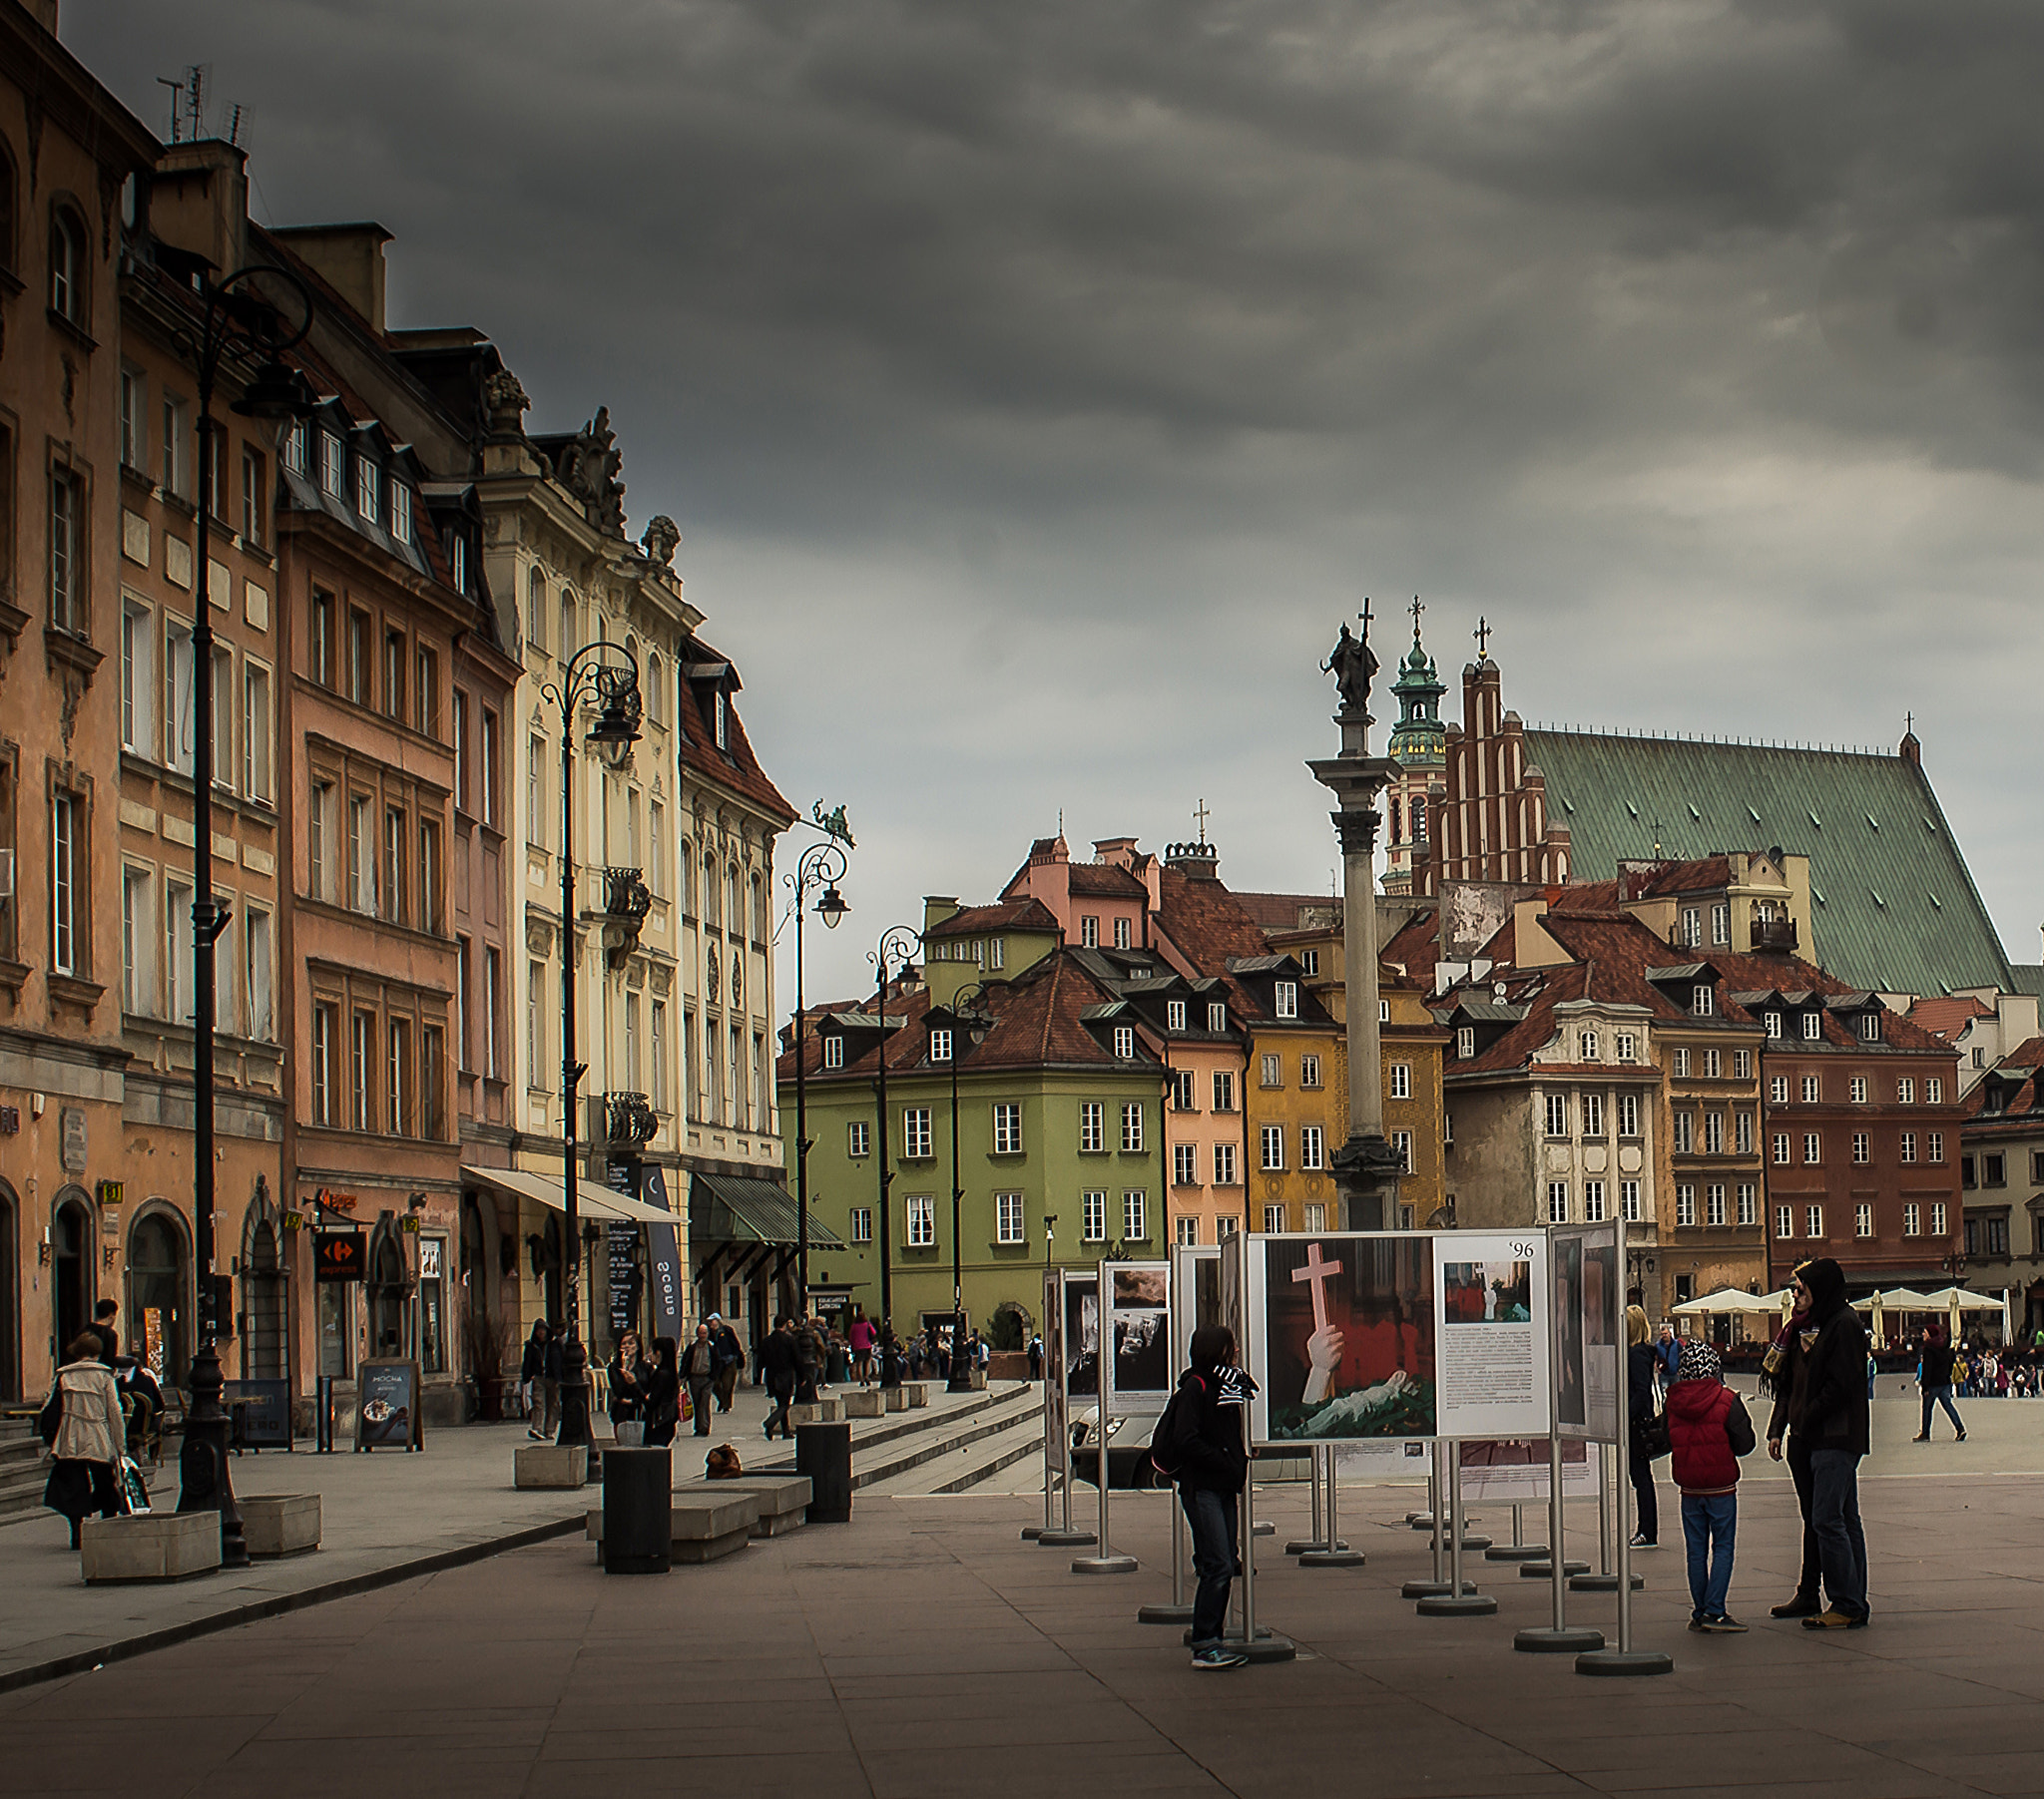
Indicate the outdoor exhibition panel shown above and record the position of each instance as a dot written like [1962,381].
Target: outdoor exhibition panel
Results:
[1140,1372]
[1589,1328]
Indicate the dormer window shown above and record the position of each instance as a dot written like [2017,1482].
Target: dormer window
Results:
[723,721]
[369,490]
[460,559]
[1287,999]
[1217,1016]
[1465,1041]
[1812,1026]
[834,1051]
[1588,1046]
[1125,1043]
[1870,1027]
[1702,1001]
[1175,1014]
[297,447]
[1775,1026]
[400,511]
[332,451]
[940,1045]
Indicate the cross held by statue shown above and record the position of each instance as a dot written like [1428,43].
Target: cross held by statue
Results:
[1319,1272]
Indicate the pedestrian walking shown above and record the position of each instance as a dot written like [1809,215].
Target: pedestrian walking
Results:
[539,1370]
[780,1362]
[1036,1355]
[808,1360]
[1708,1431]
[1199,1443]
[1666,1356]
[86,1434]
[698,1373]
[1836,1414]
[102,1327]
[1785,1376]
[1641,1363]
[1934,1382]
[731,1358]
[662,1396]
[628,1377]
[861,1339]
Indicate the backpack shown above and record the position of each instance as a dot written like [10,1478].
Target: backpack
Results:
[1167,1441]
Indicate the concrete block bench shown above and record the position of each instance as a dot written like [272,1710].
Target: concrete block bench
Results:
[867,1402]
[153,1545]
[822,1410]
[547,1465]
[784,1499]
[704,1528]
[896,1398]
[281,1523]
[919,1393]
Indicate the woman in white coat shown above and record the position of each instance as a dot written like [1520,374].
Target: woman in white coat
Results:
[89,1435]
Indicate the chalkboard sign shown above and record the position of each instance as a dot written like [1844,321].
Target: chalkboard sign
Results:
[387,1411]
[261,1411]
[338,1256]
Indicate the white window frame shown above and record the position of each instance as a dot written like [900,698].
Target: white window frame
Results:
[1135,1216]
[858,1139]
[1132,1128]
[1092,1127]
[1309,1070]
[917,1142]
[861,1224]
[1007,1129]
[1274,1148]
[1009,1224]
[1556,1202]
[919,1222]
[1284,997]
[1092,1215]
[1223,1165]
[1399,1074]
[1312,1150]
[1185,1165]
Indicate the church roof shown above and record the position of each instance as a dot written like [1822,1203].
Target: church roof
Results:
[1892,906]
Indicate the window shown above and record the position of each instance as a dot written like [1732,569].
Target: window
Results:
[1933,1092]
[1383,1012]
[67,263]
[1135,1216]
[1778,1091]
[1858,1088]
[1217,1016]
[1093,1214]
[425,691]
[362,1035]
[1742,1133]
[1125,1043]
[1685,1205]
[1629,1200]
[1870,1027]
[177,434]
[1092,1134]
[1627,1114]
[1007,1130]
[260,976]
[858,1139]
[1308,1071]
[1309,962]
[1625,1046]
[1089,933]
[138,680]
[1812,1090]
[1273,1146]
[1905,1092]
[920,1221]
[1862,1147]
[1679,1064]
[251,496]
[1185,1165]
[1183,1088]
[1465,1041]
[1188,1230]
[1008,1226]
[1913,1219]
[393,673]
[297,447]
[1223,1164]
[861,1224]
[1312,1146]
[488,786]
[1713,1065]
[224,719]
[1174,1015]
[834,1051]
[1749,1203]
[535,1026]
[1132,1129]
[1401,1145]
[1287,999]
[137,939]
[1691,926]
[67,873]
[1402,1080]
[323,1023]
[1713,1134]
[1273,1219]
[1812,1147]
[1741,1065]
[1782,1157]
[1905,1146]
[1812,1026]
[1121,933]
[1862,1220]
[1994,1170]
[320,657]
[1713,1205]
[178,964]
[400,512]
[1721,924]
[1556,1202]
[1997,1236]
[1813,1220]
[368,489]
[1586,1046]
[397,1087]
[256,756]
[394,865]
[1557,1114]
[631,1082]
[1774,1024]
[358,658]
[133,416]
[1785,1221]
[1593,1114]
[1937,1222]
[331,454]
[1684,1132]
[1224,1091]
[940,1045]
[915,1133]
[69,608]
[1592,1201]
[1273,1071]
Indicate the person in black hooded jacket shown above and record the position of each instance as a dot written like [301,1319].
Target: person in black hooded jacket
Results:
[1209,1462]
[1835,1415]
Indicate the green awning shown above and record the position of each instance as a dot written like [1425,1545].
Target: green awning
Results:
[741,1208]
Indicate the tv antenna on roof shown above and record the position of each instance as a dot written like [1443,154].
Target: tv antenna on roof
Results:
[188,103]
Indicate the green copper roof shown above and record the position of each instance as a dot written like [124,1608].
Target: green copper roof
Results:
[1419,734]
[1891,904]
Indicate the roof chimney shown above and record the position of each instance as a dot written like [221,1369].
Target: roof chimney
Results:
[349,259]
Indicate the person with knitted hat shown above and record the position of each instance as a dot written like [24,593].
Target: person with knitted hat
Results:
[1835,1415]
[1708,1431]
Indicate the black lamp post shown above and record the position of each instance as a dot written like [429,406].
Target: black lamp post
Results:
[821,865]
[237,320]
[966,1019]
[601,672]
[893,955]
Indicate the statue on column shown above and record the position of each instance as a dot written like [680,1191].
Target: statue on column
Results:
[1353,666]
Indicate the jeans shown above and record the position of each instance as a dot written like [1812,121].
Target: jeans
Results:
[776,1420]
[1710,1527]
[1212,1518]
[1835,1515]
[1809,1583]
[1942,1396]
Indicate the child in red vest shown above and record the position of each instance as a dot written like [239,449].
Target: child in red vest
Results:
[1709,1431]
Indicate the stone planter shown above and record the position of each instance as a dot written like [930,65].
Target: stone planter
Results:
[281,1523]
[155,1545]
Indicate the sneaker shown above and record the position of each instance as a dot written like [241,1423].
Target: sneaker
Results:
[1799,1607]
[1219,1658]
[1724,1624]
[1644,1543]
[1697,1623]
[1834,1620]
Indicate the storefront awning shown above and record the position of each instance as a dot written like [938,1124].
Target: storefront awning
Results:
[591,1200]
[738,1208]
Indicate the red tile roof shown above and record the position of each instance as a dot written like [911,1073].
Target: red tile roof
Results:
[1663,879]
[736,767]
[1281,911]
[1104,880]
[1948,1016]
[1004,915]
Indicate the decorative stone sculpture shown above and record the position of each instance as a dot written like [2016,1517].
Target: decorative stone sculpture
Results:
[1354,665]
[587,466]
[661,535]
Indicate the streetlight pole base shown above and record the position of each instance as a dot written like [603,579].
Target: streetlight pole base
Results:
[205,1484]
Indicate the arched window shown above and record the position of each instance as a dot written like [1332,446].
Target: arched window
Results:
[687,894]
[734,909]
[535,610]
[156,1306]
[656,704]
[566,646]
[759,910]
[710,890]
[384,1292]
[66,265]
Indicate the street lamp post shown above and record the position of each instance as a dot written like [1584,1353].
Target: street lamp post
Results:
[236,319]
[602,673]
[893,955]
[821,865]
[975,1023]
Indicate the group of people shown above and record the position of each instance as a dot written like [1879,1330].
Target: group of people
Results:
[102,1409]
[1818,1376]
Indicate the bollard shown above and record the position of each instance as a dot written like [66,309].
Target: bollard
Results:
[638,1517]
[322,1420]
[823,1453]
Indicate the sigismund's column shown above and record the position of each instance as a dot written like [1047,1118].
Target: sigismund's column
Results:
[1367,1166]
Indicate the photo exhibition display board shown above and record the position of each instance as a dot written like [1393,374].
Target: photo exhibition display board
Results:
[1589,1326]
[1362,1335]
[1136,1342]
[1082,1334]
[1054,1437]
[1195,1298]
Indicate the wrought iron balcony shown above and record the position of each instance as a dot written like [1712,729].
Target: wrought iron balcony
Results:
[626,902]
[630,1118]
[1774,935]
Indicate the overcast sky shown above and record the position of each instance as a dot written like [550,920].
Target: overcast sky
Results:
[1038,385]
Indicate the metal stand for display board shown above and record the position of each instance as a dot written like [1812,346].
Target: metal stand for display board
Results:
[1559,1637]
[1462,1599]
[1064,1536]
[1256,1644]
[1179,1611]
[1332,1551]
[1107,1562]
[1606,1580]
[1518,1549]
[1624,1660]
[1438,1586]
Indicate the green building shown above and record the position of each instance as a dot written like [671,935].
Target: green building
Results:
[1058,1090]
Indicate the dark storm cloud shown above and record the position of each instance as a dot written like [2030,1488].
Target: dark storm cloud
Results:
[1062,370]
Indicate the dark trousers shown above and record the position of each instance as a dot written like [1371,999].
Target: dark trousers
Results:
[776,1420]
[1809,1583]
[699,1386]
[1834,1515]
[1942,1396]
[1645,1507]
[1212,1518]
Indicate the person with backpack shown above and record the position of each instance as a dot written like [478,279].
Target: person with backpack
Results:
[84,1426]
[1199,1443]
[1708,1431]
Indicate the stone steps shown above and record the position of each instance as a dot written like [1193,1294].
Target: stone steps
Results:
[968,1465]
[884,1448]
[22,1472]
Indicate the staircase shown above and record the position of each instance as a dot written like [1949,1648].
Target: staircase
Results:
[945,1448]
[23,1474]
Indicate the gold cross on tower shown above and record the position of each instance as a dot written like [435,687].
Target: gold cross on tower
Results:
[1482,636]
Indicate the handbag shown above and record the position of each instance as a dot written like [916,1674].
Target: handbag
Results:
[1654,1438]
[134,1489]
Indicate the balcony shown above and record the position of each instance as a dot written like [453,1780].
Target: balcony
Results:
[1774,936]
[629,1119]
[626,902]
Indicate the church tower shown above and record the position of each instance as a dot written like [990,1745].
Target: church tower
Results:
[1419,746]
